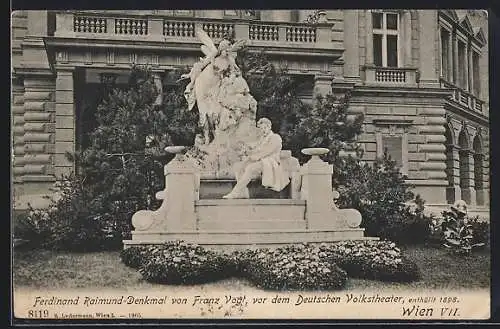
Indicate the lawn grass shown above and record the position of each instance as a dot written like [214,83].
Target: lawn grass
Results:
[49,270]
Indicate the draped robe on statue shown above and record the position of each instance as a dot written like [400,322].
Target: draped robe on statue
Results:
[268,152]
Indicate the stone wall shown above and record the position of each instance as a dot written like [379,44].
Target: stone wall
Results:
[19,26]
[43,106]
[418,124]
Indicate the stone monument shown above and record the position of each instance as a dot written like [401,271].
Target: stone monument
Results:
[236,187]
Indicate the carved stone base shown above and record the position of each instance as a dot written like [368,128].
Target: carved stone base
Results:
[248,238]
[246,222]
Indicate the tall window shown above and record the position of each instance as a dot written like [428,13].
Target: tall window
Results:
[445,53]
[393,146]
[385,39]
[475,75]
[462,69]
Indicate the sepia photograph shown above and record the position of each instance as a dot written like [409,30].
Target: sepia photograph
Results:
[250,164]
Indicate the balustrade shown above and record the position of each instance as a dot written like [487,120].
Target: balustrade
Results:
[478,105]
[131,26]
[89,24]
[158,28]
[179,29]
[463,97]
[388,75]
[218,30]
[301,34]
[263,32]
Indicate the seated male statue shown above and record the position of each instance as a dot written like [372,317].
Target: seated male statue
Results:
[264,162]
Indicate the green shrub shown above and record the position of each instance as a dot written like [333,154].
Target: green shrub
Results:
[292,268]
[184,263]
[134,256]
[379,192]
[71,222]
[376,260]
[31,229]
[480,231]
[462,234]
[416,228]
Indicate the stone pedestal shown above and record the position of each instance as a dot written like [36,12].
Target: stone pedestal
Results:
[317,191]
[308,215]
[321,211]
[177,212]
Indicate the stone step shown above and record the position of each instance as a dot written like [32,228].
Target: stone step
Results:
[250,210]
[216,188]
[245,238]
[238,225]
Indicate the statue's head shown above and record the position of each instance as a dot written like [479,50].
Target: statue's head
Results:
[264,124]
[224,46]
[460,207]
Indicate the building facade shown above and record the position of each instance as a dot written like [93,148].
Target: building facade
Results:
[420,77]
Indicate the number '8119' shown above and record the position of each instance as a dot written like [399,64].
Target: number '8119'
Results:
[38,313]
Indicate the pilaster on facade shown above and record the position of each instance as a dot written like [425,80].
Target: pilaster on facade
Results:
[39,129]
[468,192]
[368,39]
[18,131]
[351,40]
[434,148]
[65,121]
[322,84]
[429,77]
[407,39]
[453,191]
[455,56]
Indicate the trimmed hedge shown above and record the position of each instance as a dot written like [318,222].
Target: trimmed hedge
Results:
[371,259]
[294,267]
[135,256]
[182,263]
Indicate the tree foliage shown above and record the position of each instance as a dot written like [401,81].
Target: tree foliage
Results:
[122,159]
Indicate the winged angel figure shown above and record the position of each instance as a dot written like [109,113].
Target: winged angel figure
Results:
[206,79]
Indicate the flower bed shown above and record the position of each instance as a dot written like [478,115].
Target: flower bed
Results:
[135,256]
[180,263]
[294,267]
[377,260]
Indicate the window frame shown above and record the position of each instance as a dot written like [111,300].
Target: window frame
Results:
[393,128]
[476,83]
[449,76]
[384,32]
[472,46]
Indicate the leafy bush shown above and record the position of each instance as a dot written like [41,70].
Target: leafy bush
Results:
[123,160]
[70,222]
[458,232]
[376,260]
[134,256]
[480,231]
[292,268]
[379,192]
[31,229]
[416,226]
[183,263]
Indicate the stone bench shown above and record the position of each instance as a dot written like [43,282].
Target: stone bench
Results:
[212,186]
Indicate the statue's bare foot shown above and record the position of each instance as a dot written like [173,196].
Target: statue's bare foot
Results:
[237,195]
[231,195]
